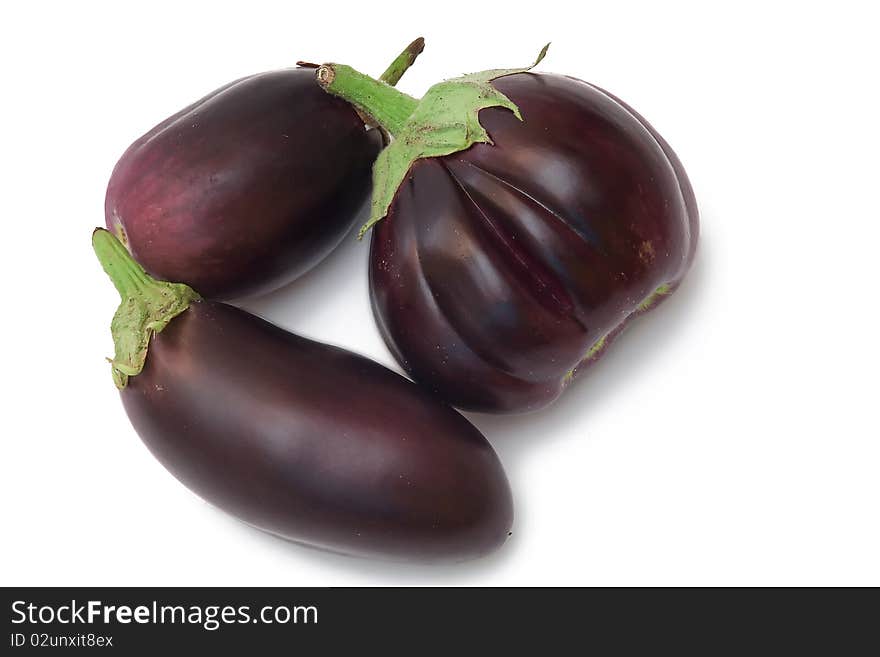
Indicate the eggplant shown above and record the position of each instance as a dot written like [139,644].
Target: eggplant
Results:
[249,187]
[304,440]
[509,259]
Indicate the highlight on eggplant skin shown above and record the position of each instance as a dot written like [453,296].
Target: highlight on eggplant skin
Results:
[307,441]
[503,271]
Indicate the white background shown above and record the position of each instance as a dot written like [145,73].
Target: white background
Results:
[729,438]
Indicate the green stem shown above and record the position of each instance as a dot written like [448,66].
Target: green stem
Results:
[387,106]
[404,60]
[445,121]
[128,277]
[147,305]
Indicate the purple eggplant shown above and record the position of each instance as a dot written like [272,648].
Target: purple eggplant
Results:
[249,187]
[303,440]
[509,261]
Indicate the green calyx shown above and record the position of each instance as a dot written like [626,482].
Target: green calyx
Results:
[147,305]
[445,121]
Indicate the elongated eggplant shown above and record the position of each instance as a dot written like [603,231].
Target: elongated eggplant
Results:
[304,440]
[249,187]
[505,266]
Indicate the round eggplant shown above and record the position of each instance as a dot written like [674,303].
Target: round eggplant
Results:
[502,269]
[303,440]
[247,188]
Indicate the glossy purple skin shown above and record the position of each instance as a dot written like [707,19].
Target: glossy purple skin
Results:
[247,188]
[499,267]
[315,443]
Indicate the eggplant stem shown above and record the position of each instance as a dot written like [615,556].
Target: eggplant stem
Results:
[445,121]
[404,60]
[147,305]
[372,117]
[128,277]
[379,101]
